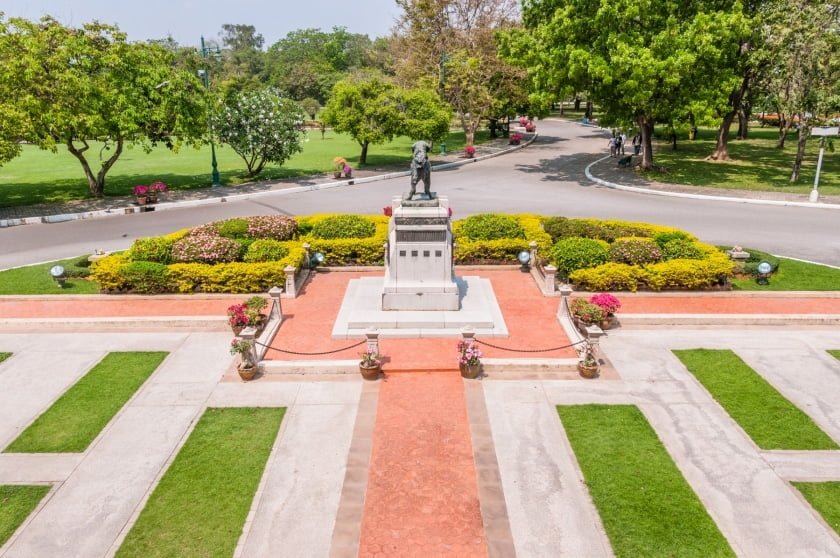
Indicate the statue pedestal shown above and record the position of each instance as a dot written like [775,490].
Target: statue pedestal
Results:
[418,269]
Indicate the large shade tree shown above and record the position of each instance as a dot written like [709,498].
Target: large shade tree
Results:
[642,62]
[67,86]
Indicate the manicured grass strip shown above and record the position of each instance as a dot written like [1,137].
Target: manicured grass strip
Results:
[794,275]
[77,417]
[647,507]
[4,356]
[36,279]
[835,354]
[16,503]
[825,498]
[201,503]
[766,416]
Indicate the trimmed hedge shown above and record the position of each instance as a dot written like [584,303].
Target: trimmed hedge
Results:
[634,250]
[265,250]
[342,227]
[570,254]
[491,226]
[153,249]
[347,251]
[609,231]
[501,251]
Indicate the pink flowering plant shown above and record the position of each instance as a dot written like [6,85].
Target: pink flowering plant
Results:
[157,187]
[469,150]
[244,348]
[468,354]
[607,302]
[205,248]
[274,227]
[238,315]
[369,359]
[140,190]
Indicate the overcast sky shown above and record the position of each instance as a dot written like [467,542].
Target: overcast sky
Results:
[187,20]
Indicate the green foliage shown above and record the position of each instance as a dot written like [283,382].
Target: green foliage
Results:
[610,276]
[680,248]
[36,279]
[646,505]
[634,251]
[793,275]
[200,505]
[146,277]
[205,248]
[80,414]
[66,86]
[344,226]
[570,254]
[274,227]
[607,230]
[587,312]
[503,250]
[4,356]
[266,251]
[233,228]
[823,497]
[490,226]
[427,117]
[260,126]
[665,237]
[772,421]
[153,249]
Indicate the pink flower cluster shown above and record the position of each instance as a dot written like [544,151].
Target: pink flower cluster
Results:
[142,190]
[468,354]
[275,227]
[607,302]
[205,248]
[469,150]
[237,316]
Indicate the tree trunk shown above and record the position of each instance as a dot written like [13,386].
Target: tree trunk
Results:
[673,139]
[646,129]
[96,183]
[721,152]
[363,156]
[577,104]
[800,148]
[784,128]
[743,122]
[588,110]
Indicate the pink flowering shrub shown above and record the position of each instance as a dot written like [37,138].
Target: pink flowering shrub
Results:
[468,354]
[205,248]
[634,250]
[274,227]
[607,302]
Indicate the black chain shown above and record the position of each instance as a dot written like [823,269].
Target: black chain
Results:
[311,354]
[528,350]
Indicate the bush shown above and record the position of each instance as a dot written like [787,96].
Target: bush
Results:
[570,254]
[154,249]
[587,312]
[205,248]
[106,272]
[491,227]
[634,251]
[664,238]
[266,251]
[556,227]
[274,227]
[690,274]
[609,277]
[489,251]
[344,226]
[233,228]
[146,277]
[680,248]
[561,227]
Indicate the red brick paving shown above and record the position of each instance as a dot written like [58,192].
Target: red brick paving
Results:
[422,495]
[710,304]
[114,307]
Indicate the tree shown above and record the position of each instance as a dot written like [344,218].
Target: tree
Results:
[260,126]
[243,58]
[641,62]
[74,85]
[451,45]
[373,111]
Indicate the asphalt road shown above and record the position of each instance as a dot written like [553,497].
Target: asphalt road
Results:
[546,178]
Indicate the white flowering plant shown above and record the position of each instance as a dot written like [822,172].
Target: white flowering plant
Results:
[260,126]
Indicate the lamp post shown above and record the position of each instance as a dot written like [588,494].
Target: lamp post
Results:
[205,77]
[822,131]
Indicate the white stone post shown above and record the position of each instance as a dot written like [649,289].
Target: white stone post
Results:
[594,334]
[372,336]
[565,293]
[550,275]
[387,252]
[532,249]
[291,289]
[307,254]
[468,336]
[276,307]
[250,356]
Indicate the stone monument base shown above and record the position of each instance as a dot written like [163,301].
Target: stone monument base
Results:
[360,311]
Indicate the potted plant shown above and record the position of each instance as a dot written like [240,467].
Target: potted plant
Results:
[515,138]
[340,163]
[155,188]
[141,193]
[588,365]
[348,171]
[238,318]
[469,151]
[609,304]
[469,359]
[245,349]
[254,307]
[585,313]
[530,126]
[370,365]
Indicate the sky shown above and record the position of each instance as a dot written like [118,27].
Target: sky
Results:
[188,20]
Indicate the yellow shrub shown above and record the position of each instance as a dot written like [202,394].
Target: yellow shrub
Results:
[106,272]
[610,276]
[345,251]
[501,250]
[692,274]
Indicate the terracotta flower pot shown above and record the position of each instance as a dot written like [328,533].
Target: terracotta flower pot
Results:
[470,371]
[588,371]
[370,372]
[247,373]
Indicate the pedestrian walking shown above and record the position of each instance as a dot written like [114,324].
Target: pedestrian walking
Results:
[612,147]
[623,138]
[637,144]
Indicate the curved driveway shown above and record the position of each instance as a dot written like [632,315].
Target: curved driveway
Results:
[546,177]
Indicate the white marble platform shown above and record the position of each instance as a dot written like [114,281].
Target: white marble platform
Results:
[360,311]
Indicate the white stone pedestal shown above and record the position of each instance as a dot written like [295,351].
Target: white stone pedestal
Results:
[418,269]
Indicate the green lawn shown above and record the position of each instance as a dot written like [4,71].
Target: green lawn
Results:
[647,507]
[16,503]
[766,416]
[835,354]
[4,356]
[36,280]
[825,498]
[757,164]
[39,176]
[202,501]
[793,275]
[80,414]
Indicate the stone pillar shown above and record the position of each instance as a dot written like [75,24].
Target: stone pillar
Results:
[291,289]
[276,307]
[307,254]
[594,334]
[387,253]
[372,336]
[550,275]
[250,334]
[565,293]
[468,336]
[532,248]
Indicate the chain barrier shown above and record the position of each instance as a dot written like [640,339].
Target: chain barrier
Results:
[528,350]
[362,342]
